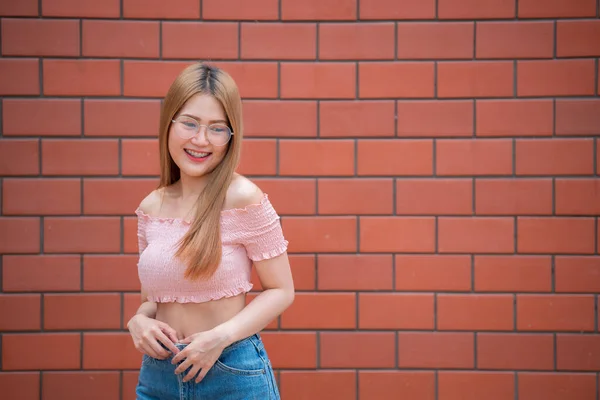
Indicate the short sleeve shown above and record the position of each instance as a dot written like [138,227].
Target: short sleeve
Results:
[141,230]
[258,228]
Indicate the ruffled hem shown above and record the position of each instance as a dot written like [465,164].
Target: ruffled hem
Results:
[228,212]
[277,251]
[201,298]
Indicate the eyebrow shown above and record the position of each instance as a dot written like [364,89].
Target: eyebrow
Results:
[200,119]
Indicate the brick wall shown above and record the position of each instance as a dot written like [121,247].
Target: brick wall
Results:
[435,164]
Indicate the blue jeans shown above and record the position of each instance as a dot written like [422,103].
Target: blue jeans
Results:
[243,371]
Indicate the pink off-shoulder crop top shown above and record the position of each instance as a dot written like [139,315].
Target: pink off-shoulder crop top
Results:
[249,234]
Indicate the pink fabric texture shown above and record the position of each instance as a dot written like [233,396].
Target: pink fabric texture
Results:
[249,234]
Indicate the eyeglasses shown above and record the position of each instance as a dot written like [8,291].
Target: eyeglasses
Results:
[216,134]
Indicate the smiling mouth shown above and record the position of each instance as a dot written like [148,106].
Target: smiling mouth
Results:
[197,154]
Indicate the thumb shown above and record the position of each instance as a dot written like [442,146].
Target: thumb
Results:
[187,340]
[170,332]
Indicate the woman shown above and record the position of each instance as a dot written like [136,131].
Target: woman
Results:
[199,234]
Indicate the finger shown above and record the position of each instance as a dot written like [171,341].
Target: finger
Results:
[170,332]
[160,351]
[179,357]
[183,366]
[203,373]
[190,375]
[169,344]
[144,348]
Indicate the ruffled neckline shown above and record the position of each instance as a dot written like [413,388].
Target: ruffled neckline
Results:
[230,212]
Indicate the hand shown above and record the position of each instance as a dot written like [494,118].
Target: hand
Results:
[201,353]
[148,333]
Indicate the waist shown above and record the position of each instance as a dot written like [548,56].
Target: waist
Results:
[190,318]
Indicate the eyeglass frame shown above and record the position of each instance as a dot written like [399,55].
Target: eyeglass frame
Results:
[231,133]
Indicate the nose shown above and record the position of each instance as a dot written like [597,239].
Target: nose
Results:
[200,138]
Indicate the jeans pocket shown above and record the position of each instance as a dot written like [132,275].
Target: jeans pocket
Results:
[242,358]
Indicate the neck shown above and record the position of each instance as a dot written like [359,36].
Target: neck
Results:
[191,186]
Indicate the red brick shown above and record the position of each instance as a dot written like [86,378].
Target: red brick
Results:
[82,78]
[556,386]
[40,37]
[514,118]
[131,304]
[218,40]
[140,157]
[130,381]
[82,234]
[522,39]
[357,350]
[41,273]
[373,41]
[131,39]
[476,9]
[291,349]
[114,196]
[19,76]
[41,196]
[240,10]
[395,80]
[318,385]
[555,235]
[576,352]
[328,234]
[577,196]
[259,157]
[20,385]
[158,9]
[555,78]
[553,312]
[556,8]
[20,312]
[110,273]
[123,355]
[474,157]
[318,80]
[80,157]
[355,272]
[475,312]
[395,157]
[576,117]
[511,351]
[453,118]
[436,350]
[576,38]
[278,41]
[396,311]
[397,234]
[81,8]
[41,117]
[474,385]
[356,118]
[290,196]
[554,156]
[253,79]
[513,273]
[82,311]
[321,311]
[477,235]
[434,196]
[92,386]
[24,8]
[286,118]
[121,117]
[432,272]
[418,385]
[577,274]
[397,9]
[304,271]
[45,351]
[19,235]
[513,196]
[475,79]
[327,157]
[355,196]
[318,10]
[435,40]
[19,157]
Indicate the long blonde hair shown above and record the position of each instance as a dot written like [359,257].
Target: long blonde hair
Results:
[200,247]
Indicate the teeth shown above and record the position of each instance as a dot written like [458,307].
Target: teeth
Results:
[196,154]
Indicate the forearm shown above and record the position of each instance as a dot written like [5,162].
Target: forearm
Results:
[148,308]
[265,307]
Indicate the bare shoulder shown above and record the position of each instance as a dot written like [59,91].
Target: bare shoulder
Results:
[242,192]
[151,203]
